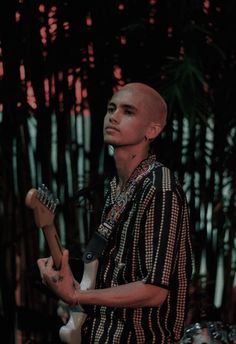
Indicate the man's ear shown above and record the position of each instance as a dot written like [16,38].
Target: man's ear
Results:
[154,130]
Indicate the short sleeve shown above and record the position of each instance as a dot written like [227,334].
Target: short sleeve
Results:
[163,230]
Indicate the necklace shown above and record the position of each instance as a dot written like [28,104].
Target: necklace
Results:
[125,196]
[120,189]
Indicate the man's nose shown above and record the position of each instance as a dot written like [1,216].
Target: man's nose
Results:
[115,117]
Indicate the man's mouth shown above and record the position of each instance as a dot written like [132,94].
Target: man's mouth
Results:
[111,128]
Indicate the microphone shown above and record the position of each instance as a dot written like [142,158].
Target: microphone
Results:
[88,191]
[84,192]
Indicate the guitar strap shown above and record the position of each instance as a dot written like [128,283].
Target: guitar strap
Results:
[101,236]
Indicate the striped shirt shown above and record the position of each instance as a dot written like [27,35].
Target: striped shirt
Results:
[152,244]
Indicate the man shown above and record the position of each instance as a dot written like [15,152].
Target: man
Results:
[145,269]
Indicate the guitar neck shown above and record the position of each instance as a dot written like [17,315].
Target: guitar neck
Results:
[54,244]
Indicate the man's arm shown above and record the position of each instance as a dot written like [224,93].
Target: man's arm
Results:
[63,284]
[135,294]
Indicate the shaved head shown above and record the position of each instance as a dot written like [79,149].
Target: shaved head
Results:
[156,104]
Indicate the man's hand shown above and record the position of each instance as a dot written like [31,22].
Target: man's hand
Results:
[61,282]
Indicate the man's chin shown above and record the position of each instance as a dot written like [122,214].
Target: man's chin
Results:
[110,141]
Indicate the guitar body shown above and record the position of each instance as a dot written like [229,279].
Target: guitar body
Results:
[44,204]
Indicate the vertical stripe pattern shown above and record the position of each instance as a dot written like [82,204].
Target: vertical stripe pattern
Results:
[152,244]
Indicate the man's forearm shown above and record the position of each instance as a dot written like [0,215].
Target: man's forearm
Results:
[136,294]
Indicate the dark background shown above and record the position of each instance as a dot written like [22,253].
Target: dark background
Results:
[184,49]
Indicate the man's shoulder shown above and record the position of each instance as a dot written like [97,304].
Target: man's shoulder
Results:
[162,178]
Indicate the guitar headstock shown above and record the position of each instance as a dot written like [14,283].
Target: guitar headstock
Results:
[43,203]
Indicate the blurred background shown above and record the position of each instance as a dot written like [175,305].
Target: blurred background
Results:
[60,61]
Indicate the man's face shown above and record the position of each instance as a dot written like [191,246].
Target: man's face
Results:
[127,119]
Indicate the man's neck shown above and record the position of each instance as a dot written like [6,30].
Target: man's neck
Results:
[126,161]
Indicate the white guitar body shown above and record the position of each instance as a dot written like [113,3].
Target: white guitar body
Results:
[44,204]
[71,332]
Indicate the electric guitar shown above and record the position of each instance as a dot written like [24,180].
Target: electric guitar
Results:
[44,203]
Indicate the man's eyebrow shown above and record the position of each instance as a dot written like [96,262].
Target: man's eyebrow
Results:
[129,107]
[124,106]
[110,103]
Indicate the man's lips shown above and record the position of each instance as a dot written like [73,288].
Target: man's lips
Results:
[111,128]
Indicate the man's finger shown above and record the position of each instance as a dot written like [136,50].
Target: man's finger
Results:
[65,259]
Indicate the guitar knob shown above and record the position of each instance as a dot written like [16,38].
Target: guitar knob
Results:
[89,256]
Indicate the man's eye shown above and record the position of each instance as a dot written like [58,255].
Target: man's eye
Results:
[128,112]
[110,109]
